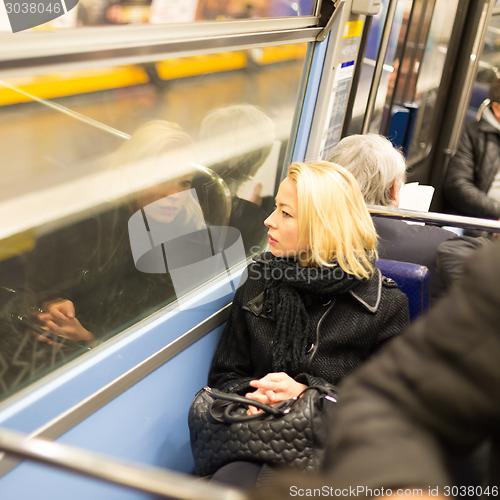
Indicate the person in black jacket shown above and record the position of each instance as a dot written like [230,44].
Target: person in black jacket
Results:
[314,307]
[472,183]
[380,170]
[430,398]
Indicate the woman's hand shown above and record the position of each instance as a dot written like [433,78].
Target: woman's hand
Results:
[59,319]
[273,388]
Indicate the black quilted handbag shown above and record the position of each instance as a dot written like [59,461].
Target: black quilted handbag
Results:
[293,432]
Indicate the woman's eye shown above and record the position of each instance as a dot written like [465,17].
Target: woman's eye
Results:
[285,214]
[186,184]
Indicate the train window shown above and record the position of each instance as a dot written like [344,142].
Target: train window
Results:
[117,181]
[488,68]
[391,63]
[428,76]
[121,12]
[404,105]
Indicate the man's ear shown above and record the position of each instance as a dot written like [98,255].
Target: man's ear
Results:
[394,194]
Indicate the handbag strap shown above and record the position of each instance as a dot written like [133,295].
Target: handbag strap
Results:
[280,409]
[236,398]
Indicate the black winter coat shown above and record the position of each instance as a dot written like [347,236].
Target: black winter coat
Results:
[431,395]
[346,330]
[471,172]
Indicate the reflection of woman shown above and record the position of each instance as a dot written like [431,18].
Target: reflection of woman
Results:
[107,292]
[82,281]
[314,307]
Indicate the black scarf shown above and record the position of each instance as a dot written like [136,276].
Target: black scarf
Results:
[285,279]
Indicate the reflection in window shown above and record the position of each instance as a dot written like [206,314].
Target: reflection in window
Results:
[109,194]
[237,141]
[83,279]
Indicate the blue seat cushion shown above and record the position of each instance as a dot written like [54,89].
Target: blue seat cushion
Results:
[412,279]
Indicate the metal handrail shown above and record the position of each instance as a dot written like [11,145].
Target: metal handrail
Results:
[148,479]
[379,65]
[339,5]
[435,218]
[42,52]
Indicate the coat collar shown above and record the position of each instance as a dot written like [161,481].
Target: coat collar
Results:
[256,305]
[368,293]
[491,119]
[485,126]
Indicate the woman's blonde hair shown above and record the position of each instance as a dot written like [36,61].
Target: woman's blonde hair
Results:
[153,141]
[333,218]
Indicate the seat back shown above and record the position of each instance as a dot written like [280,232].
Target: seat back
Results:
[412,279]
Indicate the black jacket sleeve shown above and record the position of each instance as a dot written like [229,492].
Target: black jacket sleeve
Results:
[232,368]
[452,255]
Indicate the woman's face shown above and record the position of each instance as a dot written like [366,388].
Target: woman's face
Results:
[283,223]
[163,202]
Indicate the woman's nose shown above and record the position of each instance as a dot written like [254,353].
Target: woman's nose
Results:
[269,222]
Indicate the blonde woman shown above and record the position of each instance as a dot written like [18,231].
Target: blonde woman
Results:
[314,307]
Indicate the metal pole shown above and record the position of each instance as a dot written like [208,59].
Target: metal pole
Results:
[130,475]
[469,78]
[379,66]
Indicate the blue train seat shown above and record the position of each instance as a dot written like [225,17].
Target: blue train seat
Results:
[412,279]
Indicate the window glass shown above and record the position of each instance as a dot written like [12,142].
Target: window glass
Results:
[121,12]
[489,67]
[429,77]
[119,186]
[385,88]
[411,73]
